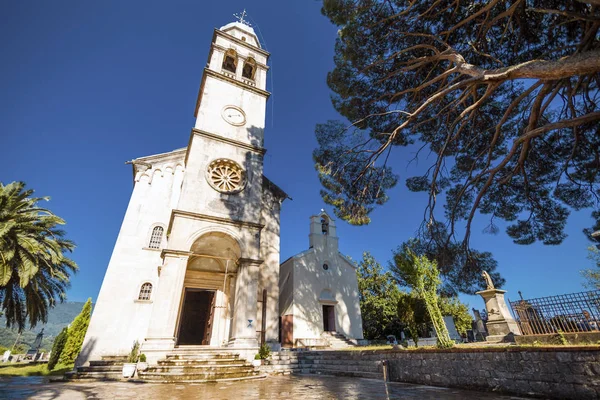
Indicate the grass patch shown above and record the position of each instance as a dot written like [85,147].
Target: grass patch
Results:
[33,370]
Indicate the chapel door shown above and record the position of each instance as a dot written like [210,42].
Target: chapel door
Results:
[287,331]
[328,318]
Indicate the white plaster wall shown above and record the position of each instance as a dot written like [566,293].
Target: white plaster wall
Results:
[118,318]
[310,280]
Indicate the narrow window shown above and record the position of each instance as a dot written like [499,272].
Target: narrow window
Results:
[156,237]
[249,69]
[325,226]
[230,61]
[145,291]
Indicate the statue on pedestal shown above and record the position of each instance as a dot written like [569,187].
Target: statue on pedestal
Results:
[488,280]
[501,325]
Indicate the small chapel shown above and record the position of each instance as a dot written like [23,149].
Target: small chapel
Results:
[196,263]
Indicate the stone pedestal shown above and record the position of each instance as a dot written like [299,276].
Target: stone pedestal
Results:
[500,325]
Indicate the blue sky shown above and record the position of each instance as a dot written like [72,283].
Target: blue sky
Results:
[86,86]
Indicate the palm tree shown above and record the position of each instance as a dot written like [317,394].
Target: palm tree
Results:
[34,272]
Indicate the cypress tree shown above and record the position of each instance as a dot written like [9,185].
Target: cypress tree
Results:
[57,348]
[77,332]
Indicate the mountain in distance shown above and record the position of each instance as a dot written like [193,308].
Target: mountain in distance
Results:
[58,317]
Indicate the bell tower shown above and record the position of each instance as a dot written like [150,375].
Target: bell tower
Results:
[232,97]
[224,161]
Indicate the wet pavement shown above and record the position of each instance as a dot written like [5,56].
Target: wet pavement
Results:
[305,387]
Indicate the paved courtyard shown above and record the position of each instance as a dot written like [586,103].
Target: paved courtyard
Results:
[303,387]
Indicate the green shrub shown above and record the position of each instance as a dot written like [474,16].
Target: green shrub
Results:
[142,357]
[57,348]
[134,353]
[77,332]
[257,357]
[264,352]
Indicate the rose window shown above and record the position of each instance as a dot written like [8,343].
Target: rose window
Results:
[226,176]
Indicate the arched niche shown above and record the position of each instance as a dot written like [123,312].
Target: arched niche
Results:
[214,252]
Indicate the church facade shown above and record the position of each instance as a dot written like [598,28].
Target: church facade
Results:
[196,261]
[319,290]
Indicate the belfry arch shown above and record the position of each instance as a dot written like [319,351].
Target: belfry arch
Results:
[207,297]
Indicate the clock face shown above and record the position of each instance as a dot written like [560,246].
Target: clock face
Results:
[234,115]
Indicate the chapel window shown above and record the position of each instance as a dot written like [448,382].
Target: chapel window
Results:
[249,68]
[325,225]
[156,237]
[230,61]
[145,291]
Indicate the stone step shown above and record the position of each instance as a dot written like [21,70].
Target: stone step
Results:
[208,376]
[357,374]
[107,368]
[94,375]
[104,363]
[114,358]
[200,356]
[283,362]
[170,380]
[185,362]
[192,369]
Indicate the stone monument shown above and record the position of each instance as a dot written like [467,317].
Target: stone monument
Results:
[501,326]
[480,331]
[451,327]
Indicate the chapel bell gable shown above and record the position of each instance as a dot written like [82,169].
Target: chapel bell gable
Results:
[323,232]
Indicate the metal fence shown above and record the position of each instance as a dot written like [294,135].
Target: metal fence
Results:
[575,312]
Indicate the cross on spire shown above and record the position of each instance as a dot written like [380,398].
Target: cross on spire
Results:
[241,16]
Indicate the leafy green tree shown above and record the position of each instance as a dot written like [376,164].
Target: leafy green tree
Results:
[503,94]
[412,312]
[460,271]
[34,272]
[459,312]
[57,348]
[422,276]
[76,335]
[379,296]
[592,276]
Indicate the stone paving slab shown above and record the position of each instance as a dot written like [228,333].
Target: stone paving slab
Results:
[305,387]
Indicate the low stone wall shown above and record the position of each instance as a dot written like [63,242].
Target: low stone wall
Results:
[558,373]
[580,338]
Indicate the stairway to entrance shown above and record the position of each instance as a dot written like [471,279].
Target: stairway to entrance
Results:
[200,365]
[337,340]
[109,368]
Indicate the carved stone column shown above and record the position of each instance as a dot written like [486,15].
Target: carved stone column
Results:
[244,322]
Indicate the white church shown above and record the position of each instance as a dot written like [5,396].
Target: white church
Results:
[196,262]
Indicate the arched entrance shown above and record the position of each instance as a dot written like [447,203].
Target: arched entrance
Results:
[208,290]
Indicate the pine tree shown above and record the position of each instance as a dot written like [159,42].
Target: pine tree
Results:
[77,332]
[57,348]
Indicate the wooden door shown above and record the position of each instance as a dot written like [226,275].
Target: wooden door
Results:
[328,318]
[287,331]
[209,321]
